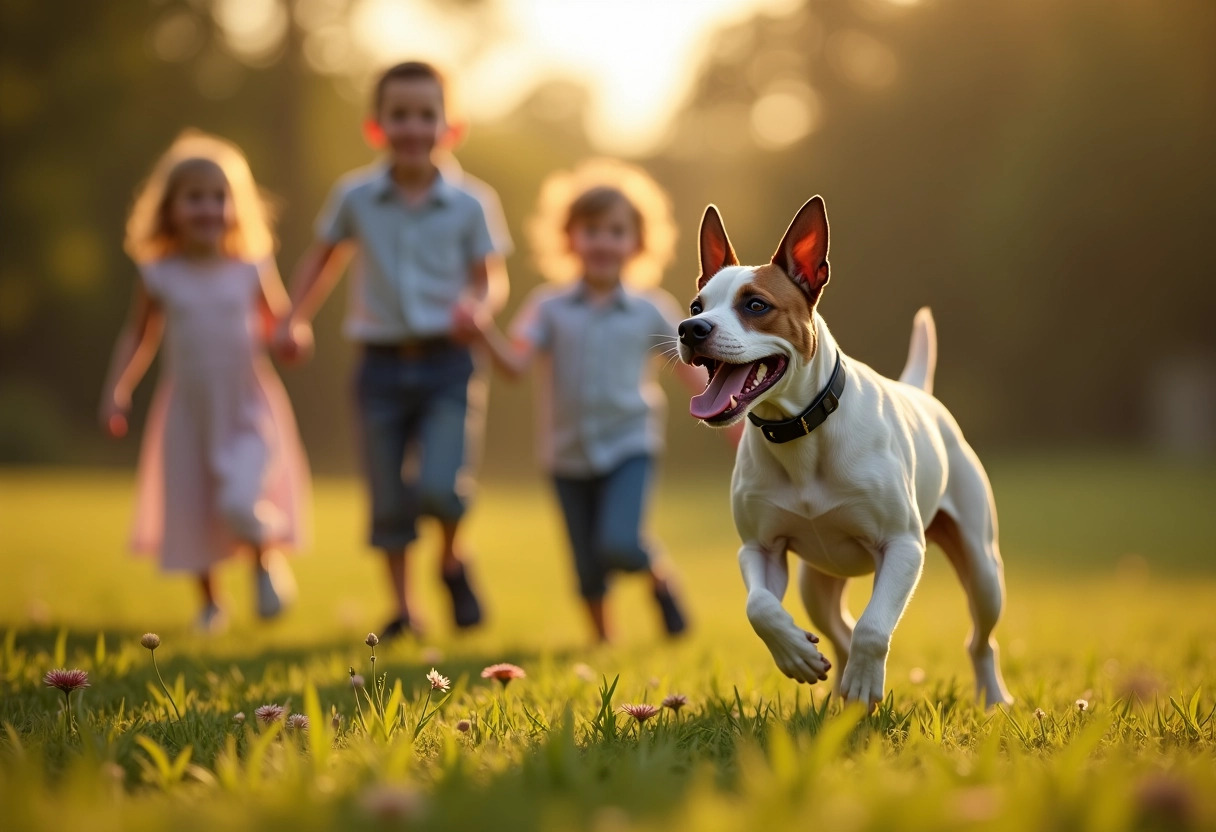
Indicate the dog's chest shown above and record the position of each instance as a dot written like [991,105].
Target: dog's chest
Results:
[823,527]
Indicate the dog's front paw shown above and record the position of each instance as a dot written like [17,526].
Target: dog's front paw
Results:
[864,678]
[797,657]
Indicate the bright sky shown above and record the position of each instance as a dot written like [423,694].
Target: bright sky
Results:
[637,59]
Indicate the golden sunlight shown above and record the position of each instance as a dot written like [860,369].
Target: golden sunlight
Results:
[638,59]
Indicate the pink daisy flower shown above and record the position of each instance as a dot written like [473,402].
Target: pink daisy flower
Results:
[675,701]
[269,713]
[503,672]
[297,722]
[66,680]
[641,712]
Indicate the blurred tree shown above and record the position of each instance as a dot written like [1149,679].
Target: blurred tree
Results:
[1039,172]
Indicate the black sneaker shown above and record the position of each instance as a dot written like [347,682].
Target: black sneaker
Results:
[673,617]
[398,627]
[466,609]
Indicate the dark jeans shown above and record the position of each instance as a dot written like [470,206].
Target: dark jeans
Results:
[415,405]
[604,520]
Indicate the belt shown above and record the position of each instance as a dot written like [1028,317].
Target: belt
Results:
[413,347]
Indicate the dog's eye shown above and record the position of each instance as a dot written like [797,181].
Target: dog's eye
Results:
[756,305]
[695,307]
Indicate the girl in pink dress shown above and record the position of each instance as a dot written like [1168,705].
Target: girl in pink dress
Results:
[221,467]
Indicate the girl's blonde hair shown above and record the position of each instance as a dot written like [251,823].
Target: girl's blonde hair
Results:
[249,235]
[592,187]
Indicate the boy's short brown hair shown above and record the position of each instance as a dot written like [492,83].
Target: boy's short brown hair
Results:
[593,202]
[407,71]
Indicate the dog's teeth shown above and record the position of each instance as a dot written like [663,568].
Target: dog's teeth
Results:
[761,372]
[734,402]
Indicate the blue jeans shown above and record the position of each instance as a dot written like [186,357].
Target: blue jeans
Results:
[604,521]
[419,406]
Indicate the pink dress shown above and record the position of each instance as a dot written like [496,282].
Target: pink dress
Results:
[221,464]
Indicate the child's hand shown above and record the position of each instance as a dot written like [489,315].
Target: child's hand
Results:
[469,322]
[114,416]
[293,341]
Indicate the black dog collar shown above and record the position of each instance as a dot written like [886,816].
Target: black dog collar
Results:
[806,421]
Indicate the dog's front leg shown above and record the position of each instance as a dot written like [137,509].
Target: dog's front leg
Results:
[898,571]
[766,575]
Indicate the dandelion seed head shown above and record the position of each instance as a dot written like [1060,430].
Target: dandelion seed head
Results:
[641,712]
[916,675]
[438,681]
[239,717]
[66,680]
[150,640]
[1082,704]
[504,672]
[269,713]
[372,640]
[357,681]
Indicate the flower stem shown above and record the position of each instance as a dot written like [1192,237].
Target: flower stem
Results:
[359,707]
[67,708]
[422,719]
[378,685]
[165,687]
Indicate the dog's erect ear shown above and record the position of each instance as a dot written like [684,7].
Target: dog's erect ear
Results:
[803,252]
[716,250]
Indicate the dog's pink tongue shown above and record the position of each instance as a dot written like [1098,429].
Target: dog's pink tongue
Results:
[727,382]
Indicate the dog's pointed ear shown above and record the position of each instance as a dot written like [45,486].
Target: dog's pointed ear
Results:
[803,252]
[716,251]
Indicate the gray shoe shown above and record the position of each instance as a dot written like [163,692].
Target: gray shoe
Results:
[276,587]
[211,621]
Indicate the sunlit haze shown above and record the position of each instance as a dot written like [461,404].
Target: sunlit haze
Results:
[637,59]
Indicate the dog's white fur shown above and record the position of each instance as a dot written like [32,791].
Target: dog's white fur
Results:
[856,496]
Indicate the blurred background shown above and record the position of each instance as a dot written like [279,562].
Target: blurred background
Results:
[1042,173]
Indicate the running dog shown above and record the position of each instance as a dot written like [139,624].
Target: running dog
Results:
[849,470]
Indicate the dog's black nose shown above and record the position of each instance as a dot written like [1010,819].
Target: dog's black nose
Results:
[695,330]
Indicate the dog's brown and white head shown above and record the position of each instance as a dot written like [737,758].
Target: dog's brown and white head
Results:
[752,326]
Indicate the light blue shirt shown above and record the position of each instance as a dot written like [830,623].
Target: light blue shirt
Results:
[413,261]
[602,404]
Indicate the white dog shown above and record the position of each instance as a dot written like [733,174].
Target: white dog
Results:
[849,470]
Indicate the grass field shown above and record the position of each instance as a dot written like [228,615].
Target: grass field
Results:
[1111,568]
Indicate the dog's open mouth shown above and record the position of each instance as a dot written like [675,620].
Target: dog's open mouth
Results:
[732,387]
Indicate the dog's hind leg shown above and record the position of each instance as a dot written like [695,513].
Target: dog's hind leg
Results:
[966,531]
[823,597]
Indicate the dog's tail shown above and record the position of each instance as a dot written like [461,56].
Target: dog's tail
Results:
[922,352]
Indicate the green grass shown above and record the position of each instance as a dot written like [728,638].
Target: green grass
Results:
[1112,583]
